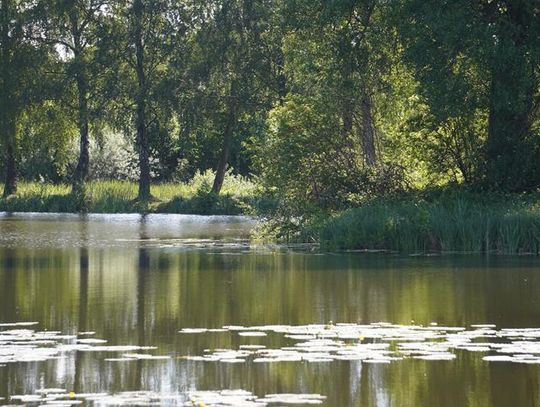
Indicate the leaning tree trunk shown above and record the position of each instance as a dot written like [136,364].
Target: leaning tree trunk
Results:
[368,133]
[224,157]
[142,133]
[227,139]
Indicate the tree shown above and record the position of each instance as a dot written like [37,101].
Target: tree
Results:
[237,65]
[21,60]
[323,142]
[350,34]
[141,38]
[481,56]
[74,28]
[10,56]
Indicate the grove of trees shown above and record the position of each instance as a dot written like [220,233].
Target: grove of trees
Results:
[323,101]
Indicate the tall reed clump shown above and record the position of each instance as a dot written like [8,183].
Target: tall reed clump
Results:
[466,223]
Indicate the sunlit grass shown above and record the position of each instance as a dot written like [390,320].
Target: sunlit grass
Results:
[239,195]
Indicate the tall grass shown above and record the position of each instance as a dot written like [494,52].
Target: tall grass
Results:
[239,196]
[466,223]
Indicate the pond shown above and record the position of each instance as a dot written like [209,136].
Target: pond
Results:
[184,310]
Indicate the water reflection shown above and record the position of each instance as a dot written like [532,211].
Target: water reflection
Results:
[84,270]
[133,281]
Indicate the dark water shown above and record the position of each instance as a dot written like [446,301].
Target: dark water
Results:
[139,281]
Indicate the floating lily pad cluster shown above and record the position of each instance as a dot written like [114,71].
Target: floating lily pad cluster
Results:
[62,398]
[376,343]
[19,343]
[248,399]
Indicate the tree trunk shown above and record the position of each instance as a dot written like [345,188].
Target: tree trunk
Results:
[10,186]
[224,158]
[347,87]
[8,106]
[227,139]
[368,133]
[142,133]
[81,172]
[347,116]
[281,78]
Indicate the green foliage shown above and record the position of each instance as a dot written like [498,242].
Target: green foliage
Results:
[113,156]
[316,106]
[46,134]
[480,59]
[309,166]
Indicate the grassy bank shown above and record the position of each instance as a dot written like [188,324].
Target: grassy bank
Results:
[448,222]
[238,196]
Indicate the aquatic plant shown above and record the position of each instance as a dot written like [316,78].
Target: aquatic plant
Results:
[456,223]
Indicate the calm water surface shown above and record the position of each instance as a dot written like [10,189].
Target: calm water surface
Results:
[138,281]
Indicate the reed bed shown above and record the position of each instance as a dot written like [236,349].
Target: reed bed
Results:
[467,223]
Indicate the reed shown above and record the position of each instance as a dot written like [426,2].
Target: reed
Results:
[450,223]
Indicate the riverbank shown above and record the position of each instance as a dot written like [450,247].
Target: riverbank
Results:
[239,196]
[419,222]
[437,222]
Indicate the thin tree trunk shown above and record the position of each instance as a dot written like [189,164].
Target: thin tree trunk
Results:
[224,158]
[227,139]
[142,133]
[10,186]
[348,106]
[281,78]
[347,116]
[81,172]
[368,133]
[8,107]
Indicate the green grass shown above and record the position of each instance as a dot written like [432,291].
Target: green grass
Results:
[455,222]
[238,196]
